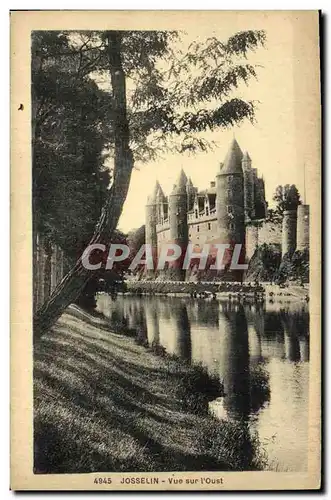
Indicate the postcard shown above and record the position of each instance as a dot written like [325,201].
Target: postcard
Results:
[166,250]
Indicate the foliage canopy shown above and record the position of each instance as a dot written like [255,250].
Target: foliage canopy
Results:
[172,98]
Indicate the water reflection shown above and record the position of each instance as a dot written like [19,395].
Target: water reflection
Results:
[152,323]
[234,360]
[259,354]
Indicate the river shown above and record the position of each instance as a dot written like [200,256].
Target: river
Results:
[259,353]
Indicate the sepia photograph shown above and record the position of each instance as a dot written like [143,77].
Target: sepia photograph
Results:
[171,219]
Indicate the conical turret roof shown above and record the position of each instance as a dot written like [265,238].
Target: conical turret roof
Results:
[232,162]
[182,179]
[189,183]
[246,156]
[158,192]
[157,187]
[180,186]
[151,200]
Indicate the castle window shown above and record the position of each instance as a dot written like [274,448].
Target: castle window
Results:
[207,210]
[196,213]
[198,229]
[229,192]
[230,209]
[209,225]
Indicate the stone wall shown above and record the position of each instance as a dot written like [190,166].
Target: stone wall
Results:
[150,230]
[269,233]
[252,239]
[205,230]
[200,231]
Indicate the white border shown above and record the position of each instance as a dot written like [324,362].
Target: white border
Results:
[4,184]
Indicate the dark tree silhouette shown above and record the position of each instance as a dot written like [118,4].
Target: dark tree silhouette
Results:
[287,198]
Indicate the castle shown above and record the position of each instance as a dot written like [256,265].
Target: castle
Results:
[232,210]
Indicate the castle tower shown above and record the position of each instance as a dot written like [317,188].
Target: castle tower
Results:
[289,232]
[248,186]
[260,206]
[261,197]
[161,203]
[252,240]
[230,198]
[150,225]
[191,191]
[178,223]
[303,228]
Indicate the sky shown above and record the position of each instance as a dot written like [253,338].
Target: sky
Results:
[282,143]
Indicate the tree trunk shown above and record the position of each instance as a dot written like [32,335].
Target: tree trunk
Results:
[70,287]
[48,268]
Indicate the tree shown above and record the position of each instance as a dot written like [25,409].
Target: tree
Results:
[287,198]
[264,263]
[165,109]
[72,128]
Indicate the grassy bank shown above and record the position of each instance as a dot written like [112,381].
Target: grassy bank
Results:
[104,403]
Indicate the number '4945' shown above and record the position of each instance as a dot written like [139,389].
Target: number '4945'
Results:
[102,480]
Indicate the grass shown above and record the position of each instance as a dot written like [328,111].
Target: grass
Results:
[103,403]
